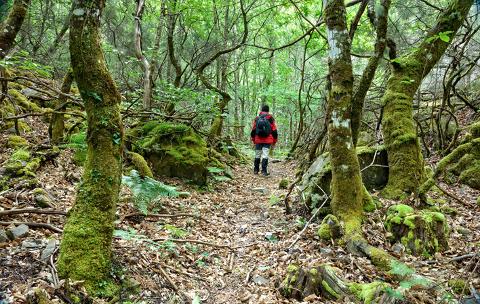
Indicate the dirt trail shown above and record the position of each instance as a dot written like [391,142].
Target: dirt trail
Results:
[247,215]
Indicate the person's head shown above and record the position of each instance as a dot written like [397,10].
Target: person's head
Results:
[265,108]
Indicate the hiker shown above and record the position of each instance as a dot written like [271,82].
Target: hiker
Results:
[264,136]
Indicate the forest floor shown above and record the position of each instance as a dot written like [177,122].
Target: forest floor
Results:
[227,244]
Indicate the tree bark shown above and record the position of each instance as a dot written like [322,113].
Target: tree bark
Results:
[10,27]
[85,251]
[380,24]
[57,123]
[405,158]
[346,179]
[147,71]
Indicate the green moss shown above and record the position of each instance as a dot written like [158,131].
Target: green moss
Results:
[329,290]
[140,164]
[173,150]
[458,286]
[23,101]
[380,258]
[21,155]
[367,292]
[290,280]
[471,176]
[283,183]
[368,202]
[15,141]
[329,228]
[475,129]
[420,231]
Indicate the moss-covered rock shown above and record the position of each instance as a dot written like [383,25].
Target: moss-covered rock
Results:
[15,141]
[23,101]
[330,228]
[19,170]
[283,184]
[368,292]
[316,180]
[172,149]
[422,233]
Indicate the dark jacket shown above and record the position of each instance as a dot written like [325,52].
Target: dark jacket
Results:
[270,139]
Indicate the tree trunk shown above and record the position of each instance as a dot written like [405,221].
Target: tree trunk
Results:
[147,71]
[57,123]
[85,251]
[346,179]
[10,27]
[405,158]
[380,23]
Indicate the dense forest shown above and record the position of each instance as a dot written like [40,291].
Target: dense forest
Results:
[239,151]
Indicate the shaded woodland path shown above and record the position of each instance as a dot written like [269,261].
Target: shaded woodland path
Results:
[246,214]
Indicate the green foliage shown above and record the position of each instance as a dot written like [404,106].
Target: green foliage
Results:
[408,279]
[23,61]
[175,232]
[146,191]
[273,200]
[218,174]
[78,142]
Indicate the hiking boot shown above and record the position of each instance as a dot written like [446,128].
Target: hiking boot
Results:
[264,167]
[256,166]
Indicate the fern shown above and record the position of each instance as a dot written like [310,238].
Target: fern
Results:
[78,142]
[146,191]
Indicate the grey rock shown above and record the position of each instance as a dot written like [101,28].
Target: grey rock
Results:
[31,244]
[49,250]
[42,199]
[325,250]
[398,248]
[17,232]
[259,280]
[3,236]
[464,231]
[260,190]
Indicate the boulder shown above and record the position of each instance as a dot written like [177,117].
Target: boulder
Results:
[173,150]
[49,250]
[315,185]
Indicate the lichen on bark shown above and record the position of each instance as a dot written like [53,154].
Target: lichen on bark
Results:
[85,251]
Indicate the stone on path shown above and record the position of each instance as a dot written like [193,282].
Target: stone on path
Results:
[259,280]
[17,232]
[49,250]
[3,236]
[31,244]
[260,190]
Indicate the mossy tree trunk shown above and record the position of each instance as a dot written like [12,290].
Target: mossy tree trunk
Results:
[57,123]
[85,251]
[10,27]
[404,152]
[347,191]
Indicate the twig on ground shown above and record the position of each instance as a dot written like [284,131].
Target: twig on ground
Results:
[32,210]
[172,283]
[192,241]
[307,224]
[448,193]
[188,274]
[463,257]
[34,225]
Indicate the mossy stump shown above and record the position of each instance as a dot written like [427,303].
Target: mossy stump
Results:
[324,281]
[174,150]
[422,233]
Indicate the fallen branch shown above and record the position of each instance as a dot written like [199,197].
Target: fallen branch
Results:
[34,225]
[32,210]
[463,257]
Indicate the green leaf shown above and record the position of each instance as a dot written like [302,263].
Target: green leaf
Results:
[444,36]
[215,170]
[196,299]
[400,269]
